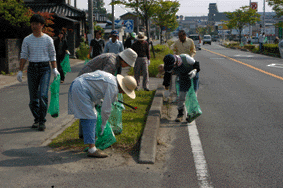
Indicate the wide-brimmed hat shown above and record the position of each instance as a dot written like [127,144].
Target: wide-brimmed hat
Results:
[141,36]
[128,85]
[169,61]
[129,56]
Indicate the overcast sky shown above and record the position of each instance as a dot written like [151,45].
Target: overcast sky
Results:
[188,7]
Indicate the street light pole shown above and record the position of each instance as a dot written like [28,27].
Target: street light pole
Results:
[90,17]
[263,15]
[113,22]
[250,24]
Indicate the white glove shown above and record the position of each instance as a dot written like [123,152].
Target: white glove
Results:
[67,51]
[148,62]
[190,60]
[20,76]
[102,129]
[55,72]
[193,73]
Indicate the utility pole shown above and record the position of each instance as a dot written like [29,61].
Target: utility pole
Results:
[90,18]
[263,15]
[250,24]
[75,2]
[113,22]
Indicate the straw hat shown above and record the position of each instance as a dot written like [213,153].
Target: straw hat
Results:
[129,56]
[128,84]
[141,36]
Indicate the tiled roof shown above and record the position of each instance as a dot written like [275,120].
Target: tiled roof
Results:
[60,9]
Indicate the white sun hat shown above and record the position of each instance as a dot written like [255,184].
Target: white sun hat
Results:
[129,56]
[128,85]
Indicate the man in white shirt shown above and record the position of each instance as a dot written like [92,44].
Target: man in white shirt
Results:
[38,48]
[89,89]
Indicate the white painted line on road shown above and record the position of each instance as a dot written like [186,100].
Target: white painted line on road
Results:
[199,159]
[275,65]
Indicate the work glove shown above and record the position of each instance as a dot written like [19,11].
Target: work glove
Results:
[67,51]
[102,129]
[193,73]
[55,72]
[148,62]
[20,76]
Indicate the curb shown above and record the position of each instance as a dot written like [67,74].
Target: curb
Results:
[149,136]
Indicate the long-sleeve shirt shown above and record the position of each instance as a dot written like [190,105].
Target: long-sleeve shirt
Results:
[115,47]
[182,67]
[97,47]
[38,49]
[108,62]
[89,89]
[187,47]
[141,48]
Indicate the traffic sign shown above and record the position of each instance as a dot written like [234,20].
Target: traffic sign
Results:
[254,5]
[118,22]
[129,25]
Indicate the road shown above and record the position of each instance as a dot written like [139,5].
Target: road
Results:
[241,125]
[236,142]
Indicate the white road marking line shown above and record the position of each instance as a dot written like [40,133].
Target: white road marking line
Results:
[275,65]
[199,159]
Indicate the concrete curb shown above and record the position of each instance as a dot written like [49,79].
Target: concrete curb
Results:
[149,137]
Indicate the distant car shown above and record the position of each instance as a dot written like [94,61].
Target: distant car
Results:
[196,39]
[206,39]
[214,38]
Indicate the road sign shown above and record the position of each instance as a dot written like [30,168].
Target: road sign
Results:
[254,5]
[129,25]
[118,22]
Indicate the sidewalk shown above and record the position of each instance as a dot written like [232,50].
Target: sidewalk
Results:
[7,80]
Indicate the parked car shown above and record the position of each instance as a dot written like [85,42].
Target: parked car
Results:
[196,39]
[206,39]
[215,38]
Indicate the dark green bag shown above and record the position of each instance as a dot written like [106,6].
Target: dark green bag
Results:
[54,101]
[192,105]
[108,138]
[65,64]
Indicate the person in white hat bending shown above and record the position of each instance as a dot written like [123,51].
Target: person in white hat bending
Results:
[111,62]
[89,89]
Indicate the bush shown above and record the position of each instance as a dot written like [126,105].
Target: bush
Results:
[83,50]
[271,48]
[250,47]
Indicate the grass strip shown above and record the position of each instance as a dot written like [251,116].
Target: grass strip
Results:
[133,124]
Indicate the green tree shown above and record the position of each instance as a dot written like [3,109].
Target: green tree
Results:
[14,18]
[165,14]
[242,17]
[145,9]
[277,6]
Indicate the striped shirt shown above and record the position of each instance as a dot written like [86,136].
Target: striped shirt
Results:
[115,47]
[38,49]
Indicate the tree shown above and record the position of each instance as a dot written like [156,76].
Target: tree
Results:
[165,14]
[241,18]
[145,9]
[277,6]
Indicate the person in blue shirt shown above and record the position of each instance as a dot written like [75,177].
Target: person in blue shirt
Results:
[114,45]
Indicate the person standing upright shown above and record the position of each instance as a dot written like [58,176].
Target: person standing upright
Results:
[114,45]
[38,48]
[61,48]
[260,41]
[128,43]
[96,45]
[141,47]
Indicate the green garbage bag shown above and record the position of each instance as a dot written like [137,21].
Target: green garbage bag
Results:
[86,61]
[54,101]
[115,118]
[192,105]
[108,138]
[65,64]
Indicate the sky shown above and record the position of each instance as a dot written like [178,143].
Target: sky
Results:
[187,7]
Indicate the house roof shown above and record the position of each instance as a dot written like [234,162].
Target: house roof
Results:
[60,9]
[128,13]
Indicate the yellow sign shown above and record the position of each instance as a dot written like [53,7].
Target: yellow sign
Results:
[222,27]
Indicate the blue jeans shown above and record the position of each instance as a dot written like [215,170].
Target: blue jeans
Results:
[38,85]
[88,126]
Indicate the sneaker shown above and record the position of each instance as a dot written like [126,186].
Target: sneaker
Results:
[98,154]
[179,119]
[41,127]
[35,125]
[180,115]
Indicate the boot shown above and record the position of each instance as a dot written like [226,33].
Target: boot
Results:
[180,115]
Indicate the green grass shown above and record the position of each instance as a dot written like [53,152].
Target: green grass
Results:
[133,124]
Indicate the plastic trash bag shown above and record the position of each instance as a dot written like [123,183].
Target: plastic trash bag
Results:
[192,105]
[65,64]
[108,138]
[115,118]
[54,101]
